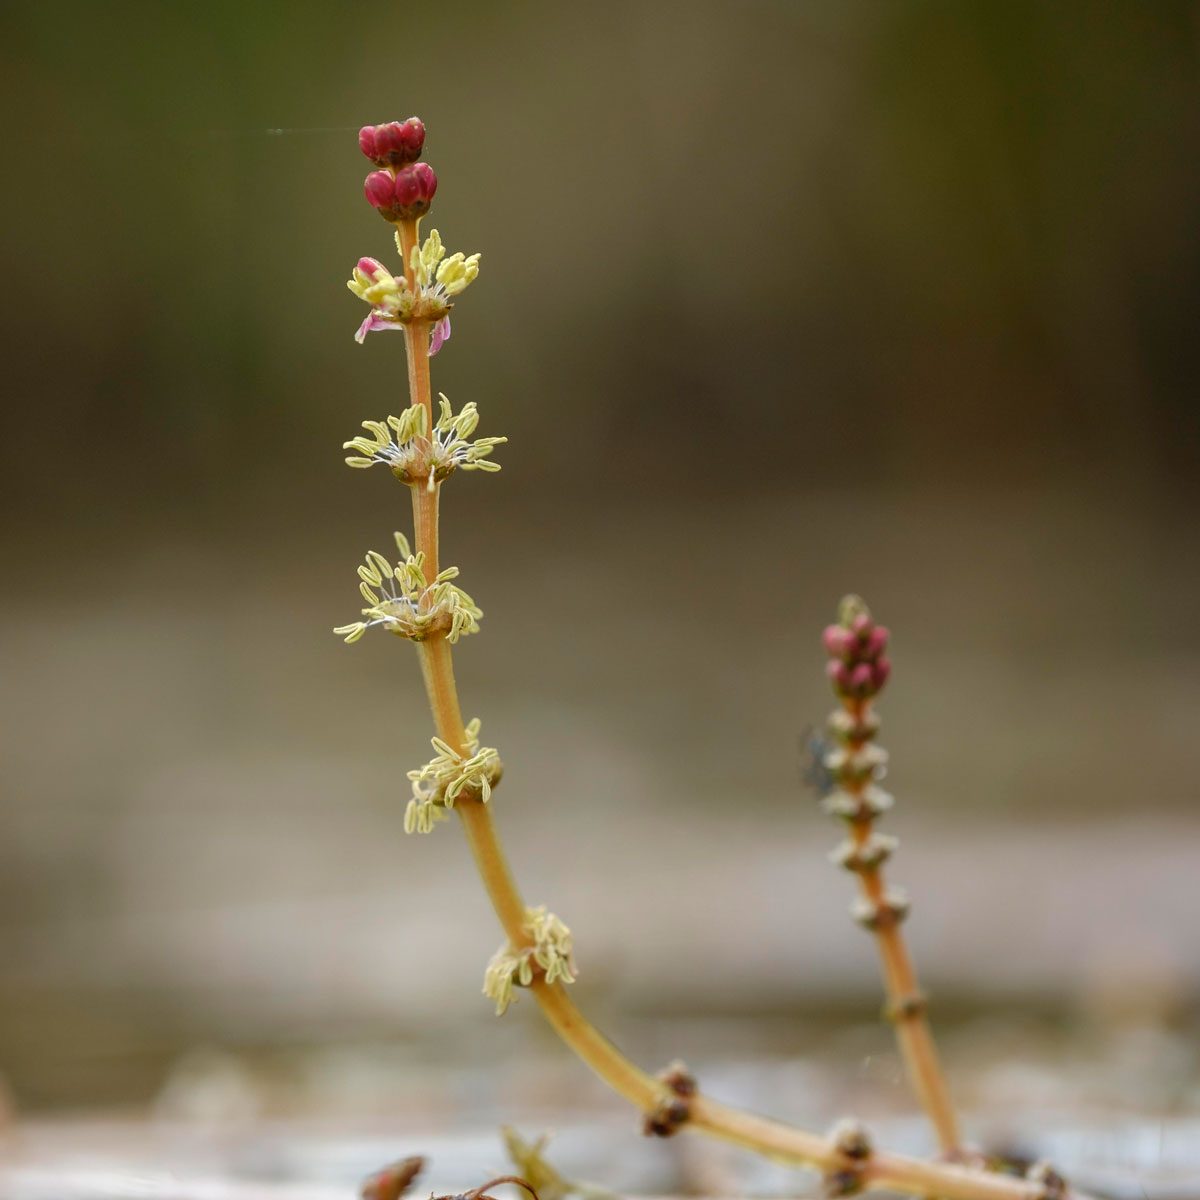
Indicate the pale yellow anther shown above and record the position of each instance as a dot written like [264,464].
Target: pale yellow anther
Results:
[457,272]
[380,563]
[400,600]
[441,782]
[404,444]
[551,951]
[426,260]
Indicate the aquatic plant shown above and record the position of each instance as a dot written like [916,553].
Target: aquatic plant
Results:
[417,599]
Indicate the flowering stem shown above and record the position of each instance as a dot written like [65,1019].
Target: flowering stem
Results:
[760,1134]
[858,669]
[437,667]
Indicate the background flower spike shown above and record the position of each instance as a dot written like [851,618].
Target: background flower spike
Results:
[853,764]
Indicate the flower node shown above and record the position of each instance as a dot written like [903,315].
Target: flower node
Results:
[853,728]
[679,1079]
[436,280]
[855,765]
[864,856]
[884,913]
[667,1117]
[852,1143]
[403,602]
[451,776]
[549,954]
[866,805]
[905,1008]
[403,444]
[851,1139]
[673,1109]
[1053,1185]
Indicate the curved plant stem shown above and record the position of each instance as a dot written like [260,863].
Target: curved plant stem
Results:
[760,1134]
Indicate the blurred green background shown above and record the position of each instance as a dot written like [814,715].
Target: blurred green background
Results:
[778,300]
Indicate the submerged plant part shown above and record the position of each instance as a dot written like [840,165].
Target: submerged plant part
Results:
[531,1163]
[417,600]
[391,1182]
[858,669]
[481,1192]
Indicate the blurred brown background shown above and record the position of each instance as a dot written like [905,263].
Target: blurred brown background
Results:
[778,300]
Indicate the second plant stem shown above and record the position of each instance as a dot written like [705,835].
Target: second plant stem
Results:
[906,1004]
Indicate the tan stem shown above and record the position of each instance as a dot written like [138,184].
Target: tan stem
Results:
[884,1171]
[425,526]
[437,668]
[913,1034]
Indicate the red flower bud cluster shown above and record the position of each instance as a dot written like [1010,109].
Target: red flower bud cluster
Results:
[393,144]
[406,194]
[403,188]
[857,667]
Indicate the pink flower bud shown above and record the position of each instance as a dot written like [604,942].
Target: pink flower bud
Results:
[400,142]
[838,641]
[414,189]
[393,144]
[372,268]
[403,196]
[407,188]
[424,181]
[862,625]
[875,642]
[862,680]
[380,190]
[839,675]
[880,672]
